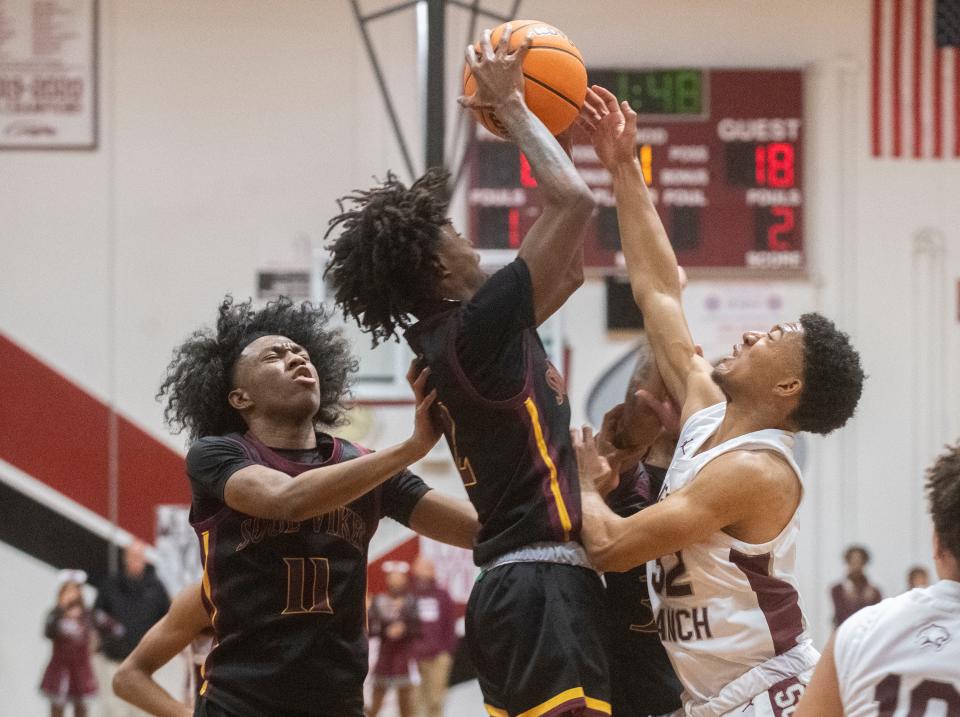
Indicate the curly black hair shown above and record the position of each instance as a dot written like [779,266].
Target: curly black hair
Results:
[385,261]
[832,377]
[943,492]
[200,375]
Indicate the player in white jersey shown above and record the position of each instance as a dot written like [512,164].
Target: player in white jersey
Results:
[901,658]
[723,537]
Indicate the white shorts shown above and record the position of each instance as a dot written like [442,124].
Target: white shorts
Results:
[780,700]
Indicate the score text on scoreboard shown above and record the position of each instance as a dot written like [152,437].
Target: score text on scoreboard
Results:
[721,151]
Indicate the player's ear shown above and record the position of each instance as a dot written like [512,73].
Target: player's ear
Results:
[239,399]
[789,387]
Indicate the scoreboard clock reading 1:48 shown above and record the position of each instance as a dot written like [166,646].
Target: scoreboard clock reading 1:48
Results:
[721,151]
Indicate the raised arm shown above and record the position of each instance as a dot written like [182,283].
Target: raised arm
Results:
[728,491]
[651,262]
[133,681]
[553,248]
[267,493]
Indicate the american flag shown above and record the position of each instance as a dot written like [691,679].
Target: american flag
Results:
[915,79]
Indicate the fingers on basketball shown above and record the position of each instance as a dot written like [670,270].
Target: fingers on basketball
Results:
[555,84]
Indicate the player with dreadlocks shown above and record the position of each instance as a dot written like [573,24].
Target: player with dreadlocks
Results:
[534,616]
[285,511]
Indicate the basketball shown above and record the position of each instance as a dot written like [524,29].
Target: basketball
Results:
[555,78]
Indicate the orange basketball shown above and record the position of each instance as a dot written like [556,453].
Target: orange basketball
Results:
[555,83]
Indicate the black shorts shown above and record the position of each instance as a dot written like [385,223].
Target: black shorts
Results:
[535,634]
[205,707]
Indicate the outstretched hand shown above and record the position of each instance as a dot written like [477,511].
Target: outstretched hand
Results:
[498,72]
[596,475]
[426,432]
[612,127]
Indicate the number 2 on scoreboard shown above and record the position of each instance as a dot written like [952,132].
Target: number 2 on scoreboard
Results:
[778,233]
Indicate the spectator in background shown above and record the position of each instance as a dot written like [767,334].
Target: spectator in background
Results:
[69,675]
[393,618]
[918,577]
[434,648]
[135,600]
[855,591]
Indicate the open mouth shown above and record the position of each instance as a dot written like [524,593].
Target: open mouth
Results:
[303,375]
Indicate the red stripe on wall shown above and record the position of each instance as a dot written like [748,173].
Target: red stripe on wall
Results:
[956,102]
[406,552]
[876,80]
[56,432]
[150,474]
[937,102]
[918,34]
[895,98]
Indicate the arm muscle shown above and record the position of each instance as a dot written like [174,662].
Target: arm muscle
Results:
[267,493]
[822,698]
[727,491]
[447,519]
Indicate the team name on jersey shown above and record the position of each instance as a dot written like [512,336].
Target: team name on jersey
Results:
[342,523]
[683,625]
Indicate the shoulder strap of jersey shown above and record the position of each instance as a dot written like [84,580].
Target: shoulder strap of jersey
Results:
[769,439]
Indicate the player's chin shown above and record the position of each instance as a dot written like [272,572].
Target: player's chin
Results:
[306,400]
[720,371]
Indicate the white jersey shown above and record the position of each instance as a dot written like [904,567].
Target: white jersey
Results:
[902,656]
[729,612]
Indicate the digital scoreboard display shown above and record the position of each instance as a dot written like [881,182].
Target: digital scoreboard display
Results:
[721,151]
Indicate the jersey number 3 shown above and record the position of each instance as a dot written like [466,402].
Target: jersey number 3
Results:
[308,589]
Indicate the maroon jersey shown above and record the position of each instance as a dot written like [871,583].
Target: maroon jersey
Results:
[850,596]
[505,415]
[438,621]
[287,598]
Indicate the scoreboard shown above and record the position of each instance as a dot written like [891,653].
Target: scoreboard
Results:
[721,151]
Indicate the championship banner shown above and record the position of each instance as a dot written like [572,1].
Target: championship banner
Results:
[48,74]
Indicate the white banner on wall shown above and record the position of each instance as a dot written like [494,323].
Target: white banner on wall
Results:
[48,74]
[719,314]
[178,551]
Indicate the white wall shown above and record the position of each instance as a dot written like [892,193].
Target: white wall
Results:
[229,127]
